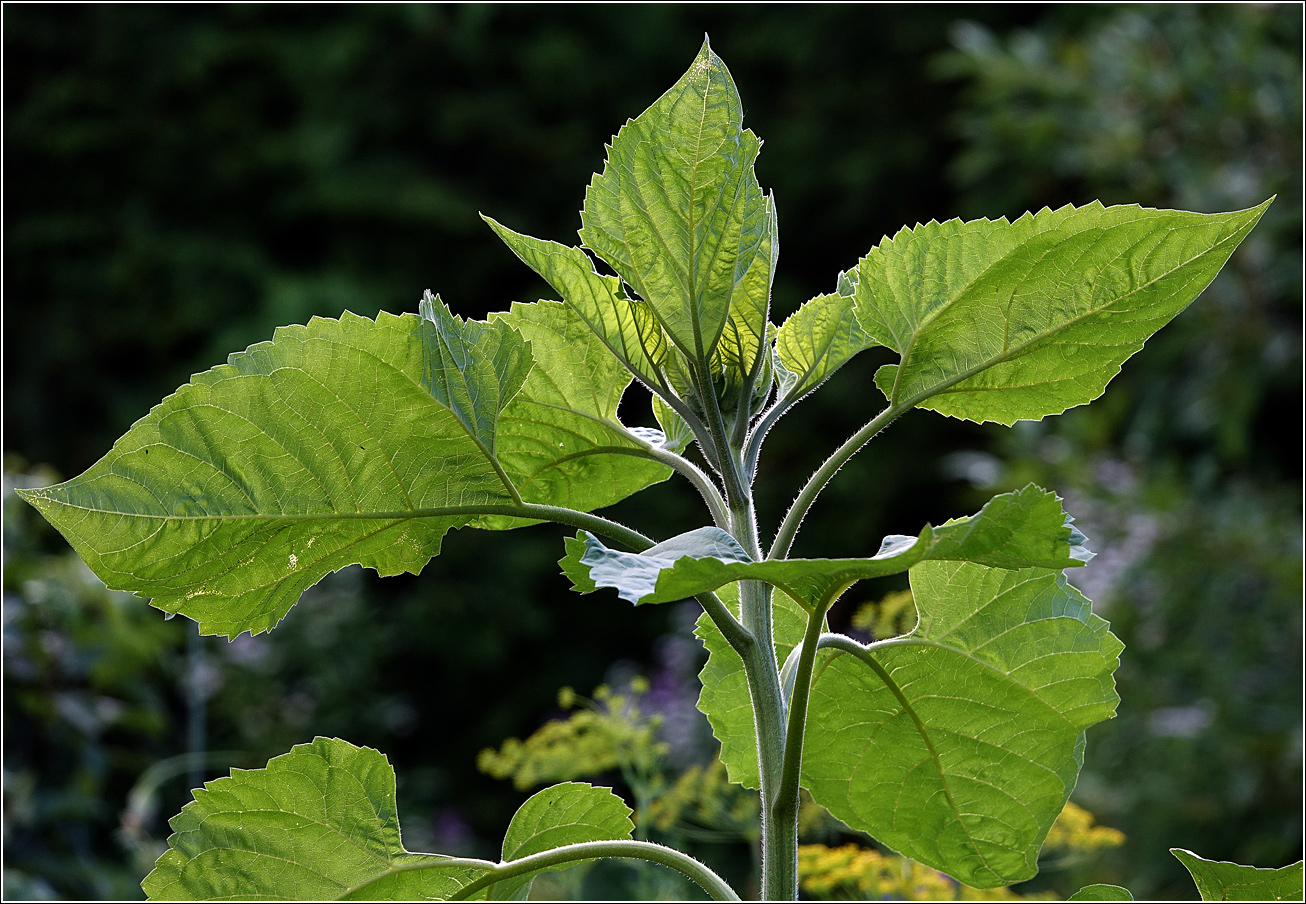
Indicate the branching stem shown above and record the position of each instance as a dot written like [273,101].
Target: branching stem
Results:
[784,537]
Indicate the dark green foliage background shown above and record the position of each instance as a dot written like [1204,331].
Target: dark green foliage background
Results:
[181,180]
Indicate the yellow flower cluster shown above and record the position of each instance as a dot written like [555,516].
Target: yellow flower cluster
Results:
[855,873]
[705,797]
[1074,831]
[891,616]
[606,733]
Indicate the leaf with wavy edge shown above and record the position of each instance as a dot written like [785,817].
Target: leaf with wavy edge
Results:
[1219,880]
[1013,530]
[958,744]
[321,822]
[677,211]
[314,824]
[317,450]
[560,441]
[999,321]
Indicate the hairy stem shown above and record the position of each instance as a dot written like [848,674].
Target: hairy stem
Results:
[583,520]
[696,476]
[798,699]
[784,537]
[779,820]
[684,864]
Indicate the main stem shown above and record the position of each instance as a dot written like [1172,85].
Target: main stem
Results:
[779,817]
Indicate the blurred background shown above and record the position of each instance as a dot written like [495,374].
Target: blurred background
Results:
[180,180]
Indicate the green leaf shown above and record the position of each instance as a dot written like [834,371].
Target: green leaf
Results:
[560,440]
[320,449]
[1224,881]
[676,434]
[958,744]
[999,321]
[724,698]
[569,813]
[1101,893]
[625,326]
[677,211]
[474,369]
[1014,530]
[818,339]
[317,822]
[743,339]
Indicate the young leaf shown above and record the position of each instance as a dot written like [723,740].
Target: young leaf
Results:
[1101,893]
[1224,881]
[999,321]
[320,449]
[677,211]
[559,440]
[625,326]
[562,814]
[676,434]
[474,369]
[818,339]
[1014,530]
[315,824]
[744,338]
[958,744]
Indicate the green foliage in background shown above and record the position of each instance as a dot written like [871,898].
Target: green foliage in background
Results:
[1194,459]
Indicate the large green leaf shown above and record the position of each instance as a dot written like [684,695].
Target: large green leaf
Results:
[560,441]
[1224,881]
[318,822]
[345,442]
[626,326]
[999,321]
[818,339]
[1014,530]
[569,813]
[958,744]
[320,449]
[677,211]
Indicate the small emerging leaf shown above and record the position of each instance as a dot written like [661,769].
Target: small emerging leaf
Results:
[1224,881]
